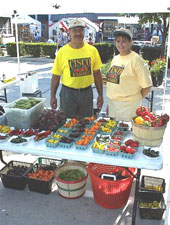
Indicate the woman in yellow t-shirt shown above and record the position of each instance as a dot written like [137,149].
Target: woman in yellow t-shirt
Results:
[128,79]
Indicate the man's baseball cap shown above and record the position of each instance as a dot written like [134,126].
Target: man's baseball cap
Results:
[76,23]
[124,32]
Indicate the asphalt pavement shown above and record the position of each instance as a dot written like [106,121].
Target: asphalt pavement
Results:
[30,208]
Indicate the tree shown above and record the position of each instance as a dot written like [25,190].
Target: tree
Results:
[160,19]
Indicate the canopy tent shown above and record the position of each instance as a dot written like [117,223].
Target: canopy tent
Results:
[27,20]
[90,30]
[74,6]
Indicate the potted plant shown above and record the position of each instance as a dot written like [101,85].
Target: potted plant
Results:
[157,70]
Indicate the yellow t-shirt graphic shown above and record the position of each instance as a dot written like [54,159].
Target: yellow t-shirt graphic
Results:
[114,74]
[80,67]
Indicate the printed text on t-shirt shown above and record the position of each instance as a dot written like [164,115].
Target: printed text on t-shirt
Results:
[80,67]
[113,75]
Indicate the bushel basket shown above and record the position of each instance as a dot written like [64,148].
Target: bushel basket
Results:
[71,189]
[149,136]
[111,194]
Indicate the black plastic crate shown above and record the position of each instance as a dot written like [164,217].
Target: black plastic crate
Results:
[12,178]
[148,211]
[39,185]
[154,184]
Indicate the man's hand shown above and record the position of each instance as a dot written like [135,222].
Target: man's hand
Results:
[99,102]
[53,102]
[54,86]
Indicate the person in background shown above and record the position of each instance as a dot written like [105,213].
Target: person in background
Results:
[90,42]
[62,38]
[147,34]
[128,79]
[99,36]
[36,34]
[78,65]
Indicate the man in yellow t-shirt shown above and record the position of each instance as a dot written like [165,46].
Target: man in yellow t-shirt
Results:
[78,65]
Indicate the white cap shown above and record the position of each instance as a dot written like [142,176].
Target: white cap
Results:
[77,23]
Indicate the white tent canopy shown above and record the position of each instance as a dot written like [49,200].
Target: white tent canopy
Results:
[27,20]
[91,27]
[76,6]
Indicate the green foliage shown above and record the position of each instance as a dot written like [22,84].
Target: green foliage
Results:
[157,66]
[150,53]
[49,49]
[12,51]
[152,17]
[33,49]
[105,67]
[106,51]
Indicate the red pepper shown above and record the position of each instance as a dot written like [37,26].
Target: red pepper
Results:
[142,111]
[28,133]
[42,135]
[151,115]
[158,122]
[147,118]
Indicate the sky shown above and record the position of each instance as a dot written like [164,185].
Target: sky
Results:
[78,6]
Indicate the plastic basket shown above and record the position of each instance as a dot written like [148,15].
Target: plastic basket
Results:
[15,181]
[156,184]
[148,212]
[23,118]
[38,185]
[110,194]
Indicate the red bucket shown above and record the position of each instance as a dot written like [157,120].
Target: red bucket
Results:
[110,194]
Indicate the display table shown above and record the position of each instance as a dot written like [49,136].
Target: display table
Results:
[5,86]
[139,161]
[40,149]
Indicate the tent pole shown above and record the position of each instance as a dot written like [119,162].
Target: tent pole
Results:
[166,70]
[17,43]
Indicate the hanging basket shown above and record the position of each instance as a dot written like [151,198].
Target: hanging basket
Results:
[157,80]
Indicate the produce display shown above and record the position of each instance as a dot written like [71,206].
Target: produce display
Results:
[41,174]
[17,170]
[153,204]
[50,120]
[148,128]
[18,140]
[26,103]
[102,135]
[71,175]
[151,153]
[146,118]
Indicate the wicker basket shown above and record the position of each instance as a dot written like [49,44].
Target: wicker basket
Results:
[71,189]
[149,136]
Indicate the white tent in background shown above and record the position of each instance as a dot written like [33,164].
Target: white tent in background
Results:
[27,20]
[91,28]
